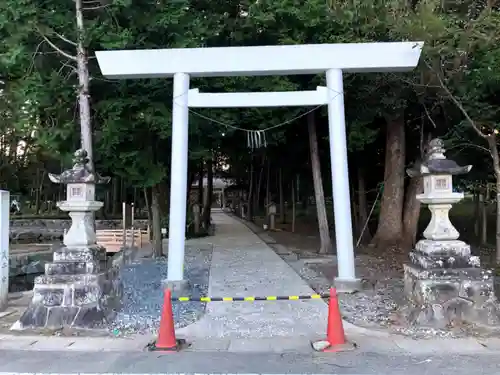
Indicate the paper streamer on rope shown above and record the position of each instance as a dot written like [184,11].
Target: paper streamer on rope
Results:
[256,139]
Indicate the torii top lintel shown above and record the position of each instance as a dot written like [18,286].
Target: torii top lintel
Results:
[261,60]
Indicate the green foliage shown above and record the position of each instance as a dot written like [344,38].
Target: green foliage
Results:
[132,119]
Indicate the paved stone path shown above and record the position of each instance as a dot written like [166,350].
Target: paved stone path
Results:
[243,265]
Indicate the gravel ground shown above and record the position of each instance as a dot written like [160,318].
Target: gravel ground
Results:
[143,293]
[379,305]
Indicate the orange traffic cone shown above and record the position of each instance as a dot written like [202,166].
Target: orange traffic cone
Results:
[335,336]
[166,334]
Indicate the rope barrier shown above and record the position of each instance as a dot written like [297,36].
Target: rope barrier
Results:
[249,299]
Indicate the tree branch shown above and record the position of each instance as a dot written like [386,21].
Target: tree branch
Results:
[429,116]
[407,81]
[96,7]
[473,145]
[457,102]
[67,65]
[65,54]
[63,38]
[32,63]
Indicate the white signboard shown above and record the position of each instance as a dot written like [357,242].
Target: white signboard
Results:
[4,247]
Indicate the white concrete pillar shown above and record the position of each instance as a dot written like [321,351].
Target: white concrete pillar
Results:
[346,280]
[4,248]
[178,178]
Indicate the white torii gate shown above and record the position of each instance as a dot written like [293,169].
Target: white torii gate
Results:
[332,59]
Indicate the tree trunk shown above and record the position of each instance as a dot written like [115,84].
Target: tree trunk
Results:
[61,187]
[155,211]
[282,197]
[190,182]
[114,196]
[411,213]
[84,84]
[164,197]
[390,223]
[210,193]
[38,193]
[354,214]
[492,143]
[148,211]
[477,211]
[268,184]
[256,198]
[107,203]
[497,234]
[484,216]
[201,172]
[304,202]
[294,194]
[249,212]
[324,231]
[363,207]
[123,190]
[297,189]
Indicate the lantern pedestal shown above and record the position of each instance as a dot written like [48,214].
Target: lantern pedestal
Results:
[78,290]
[443,282]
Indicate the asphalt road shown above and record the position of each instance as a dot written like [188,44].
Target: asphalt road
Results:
[360,363]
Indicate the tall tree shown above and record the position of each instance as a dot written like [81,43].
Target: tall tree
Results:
[324,230]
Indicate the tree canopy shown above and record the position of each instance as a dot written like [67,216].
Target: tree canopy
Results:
[452,94]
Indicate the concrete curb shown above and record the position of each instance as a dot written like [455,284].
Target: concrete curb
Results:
[87,344]
[350,328]
[364,343]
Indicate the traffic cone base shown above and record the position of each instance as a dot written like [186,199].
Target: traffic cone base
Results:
[339,348]
[335,337]
[179,345]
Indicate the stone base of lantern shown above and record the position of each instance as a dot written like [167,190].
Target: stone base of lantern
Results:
[445,286]
[77,291]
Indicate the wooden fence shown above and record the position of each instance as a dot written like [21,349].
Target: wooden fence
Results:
[114,239]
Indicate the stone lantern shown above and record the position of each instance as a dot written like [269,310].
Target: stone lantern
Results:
[437,172]
[78,289]
[80,200]
[443,282]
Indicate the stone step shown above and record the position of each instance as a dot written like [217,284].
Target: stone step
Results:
[439,260]
[419,272]
[446,248]
[87,278]
[69,290]
[53,295]
[57,317]
[84,254]
[70,267]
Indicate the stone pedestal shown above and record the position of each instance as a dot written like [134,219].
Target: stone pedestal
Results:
[78,289]
[271,214]
[445,285]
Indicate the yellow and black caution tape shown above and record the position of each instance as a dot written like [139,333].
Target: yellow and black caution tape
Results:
[249,299]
